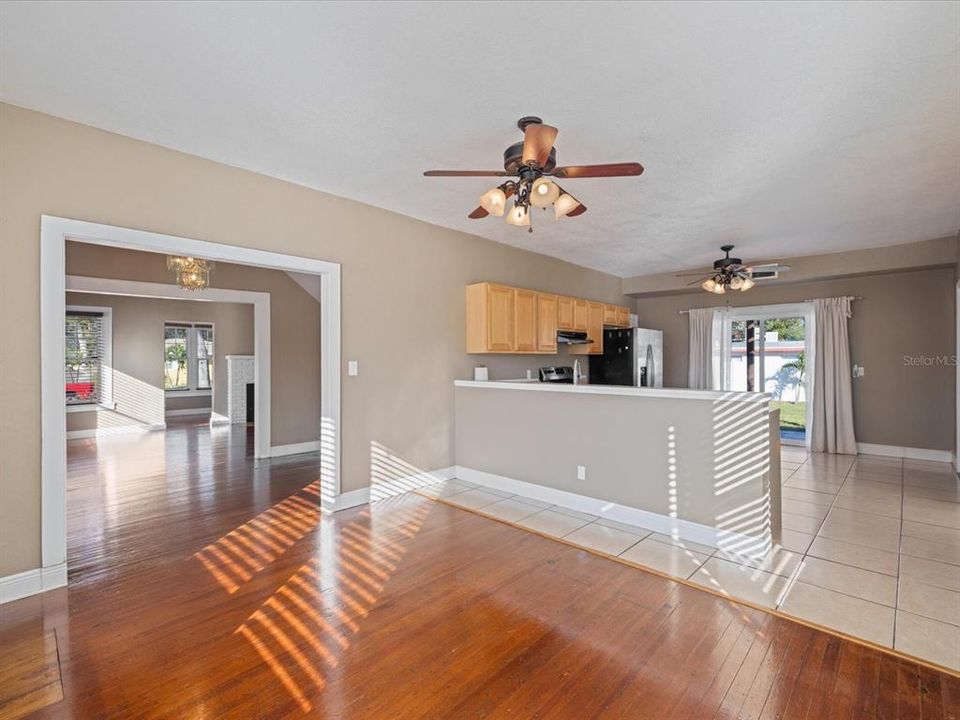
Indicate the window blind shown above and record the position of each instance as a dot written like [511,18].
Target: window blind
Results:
[83,356]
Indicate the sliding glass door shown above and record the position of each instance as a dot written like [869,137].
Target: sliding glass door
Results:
[769,354]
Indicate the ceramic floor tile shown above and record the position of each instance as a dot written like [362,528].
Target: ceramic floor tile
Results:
[933,533]
[930,550]
[800,523]
[511,509]
[859,528]
[889,506]
[936,512]
[859,556]
[930,572]
[603,539]
[933,602]
[741,582]
[777,560]
[946,494]
[626,527]
[446,489]
[665,558]
[574,513]
[845,613]
[681,543]
[928,639]
[799,507]
[819,499]
[794,541]
[475,498]
[816,485]
[875,479]
[551,522]
[848,580]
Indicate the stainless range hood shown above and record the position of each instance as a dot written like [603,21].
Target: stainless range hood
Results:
[569,337]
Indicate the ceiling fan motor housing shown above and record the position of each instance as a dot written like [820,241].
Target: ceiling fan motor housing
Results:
[513,159]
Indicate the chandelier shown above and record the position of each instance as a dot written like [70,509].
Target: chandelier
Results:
[192,273]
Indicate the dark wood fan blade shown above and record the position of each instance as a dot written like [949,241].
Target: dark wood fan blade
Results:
[579,210]
[478,213]
[609,170]
[466,173]
[538,140]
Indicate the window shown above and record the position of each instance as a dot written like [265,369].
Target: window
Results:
[187,356]
[83,359]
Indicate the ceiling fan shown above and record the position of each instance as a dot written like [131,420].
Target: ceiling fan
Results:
[533,162]
[730,273]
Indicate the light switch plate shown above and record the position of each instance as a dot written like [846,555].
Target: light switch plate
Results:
[352,368]
[581,472]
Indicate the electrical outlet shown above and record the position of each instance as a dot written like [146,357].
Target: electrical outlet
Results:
[352,367]
[581,472]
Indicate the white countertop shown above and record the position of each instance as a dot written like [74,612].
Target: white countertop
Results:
[629,390]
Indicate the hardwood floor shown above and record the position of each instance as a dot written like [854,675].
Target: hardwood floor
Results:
[205,585]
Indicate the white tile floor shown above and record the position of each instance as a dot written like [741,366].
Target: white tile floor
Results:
[870,547]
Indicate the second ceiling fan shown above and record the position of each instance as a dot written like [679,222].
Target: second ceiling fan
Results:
[533,162]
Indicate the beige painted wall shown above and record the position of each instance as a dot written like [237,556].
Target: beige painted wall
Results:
[294,329]
[137,340]
[901,314]
[625,444]
[403,280]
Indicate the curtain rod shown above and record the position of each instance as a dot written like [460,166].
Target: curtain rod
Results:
[685,312]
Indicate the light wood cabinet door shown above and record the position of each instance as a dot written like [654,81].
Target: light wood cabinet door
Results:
[501,318]
[565,313]
[623,317]
[547,316]
[525,323]
[595,314]
[610,314]
[580,308]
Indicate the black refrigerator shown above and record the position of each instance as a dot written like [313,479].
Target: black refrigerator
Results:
[630,357]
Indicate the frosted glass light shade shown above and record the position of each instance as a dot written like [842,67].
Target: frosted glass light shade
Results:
[747,284]
[544,193]
[518,216]
[494,201]
[564,204]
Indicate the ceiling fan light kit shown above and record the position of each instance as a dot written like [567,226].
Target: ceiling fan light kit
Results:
[730,273]
[533,162]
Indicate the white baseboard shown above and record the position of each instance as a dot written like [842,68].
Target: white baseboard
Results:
[351,499]
[675,527]
[108,431]
[31,582]
[295,448]
[905,452]
[184,412]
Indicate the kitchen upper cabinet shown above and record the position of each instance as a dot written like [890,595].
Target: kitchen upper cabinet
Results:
[503,319]
[491,318]
[580,311]
[565,313]
[616,316]
[547,322]
[595,315]
[525,322]
[609,314]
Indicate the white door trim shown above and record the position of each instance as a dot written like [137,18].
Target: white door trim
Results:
[54,232]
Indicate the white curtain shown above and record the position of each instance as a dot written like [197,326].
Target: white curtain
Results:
[832,417]
[700,368]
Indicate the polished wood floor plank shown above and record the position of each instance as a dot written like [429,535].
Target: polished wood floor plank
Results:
[204,583]
[29,671]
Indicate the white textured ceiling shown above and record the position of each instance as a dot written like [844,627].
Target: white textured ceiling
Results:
[790,129]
